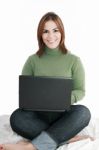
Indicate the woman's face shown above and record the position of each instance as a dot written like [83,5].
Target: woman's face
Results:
[51,35]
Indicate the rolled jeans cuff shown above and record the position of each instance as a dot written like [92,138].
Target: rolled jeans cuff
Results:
[44,142]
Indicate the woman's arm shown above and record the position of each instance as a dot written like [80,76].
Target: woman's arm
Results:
[28,67]
[78,75]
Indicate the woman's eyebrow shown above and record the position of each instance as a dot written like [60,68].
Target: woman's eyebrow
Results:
[56,28]
[52,29]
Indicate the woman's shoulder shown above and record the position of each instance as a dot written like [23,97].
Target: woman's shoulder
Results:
[73,59]
[72,56]
[33,56]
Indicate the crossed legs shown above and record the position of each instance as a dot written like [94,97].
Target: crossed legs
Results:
[63,128]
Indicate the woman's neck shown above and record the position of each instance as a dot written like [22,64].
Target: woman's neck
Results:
[54,51]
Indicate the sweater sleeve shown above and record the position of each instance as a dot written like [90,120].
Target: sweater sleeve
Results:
[28,67]
[78,75]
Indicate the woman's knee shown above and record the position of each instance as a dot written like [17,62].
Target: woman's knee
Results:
[14,118]
[20,116]
[27,123]
[84,113]
[22,123]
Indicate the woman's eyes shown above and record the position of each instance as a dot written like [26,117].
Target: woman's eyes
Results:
[47,31]
[56,30]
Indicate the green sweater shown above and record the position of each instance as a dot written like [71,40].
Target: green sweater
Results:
[54,63]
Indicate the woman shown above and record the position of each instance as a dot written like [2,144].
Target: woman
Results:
[48,130]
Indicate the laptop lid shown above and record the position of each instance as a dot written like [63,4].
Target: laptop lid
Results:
[44,93]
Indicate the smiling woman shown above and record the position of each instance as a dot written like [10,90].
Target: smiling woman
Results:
[51,30]
[48,130]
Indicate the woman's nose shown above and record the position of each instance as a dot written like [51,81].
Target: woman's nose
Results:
[50,35]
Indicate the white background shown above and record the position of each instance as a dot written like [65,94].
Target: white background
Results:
[18,25]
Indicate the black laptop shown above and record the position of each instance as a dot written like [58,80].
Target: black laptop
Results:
[44,93]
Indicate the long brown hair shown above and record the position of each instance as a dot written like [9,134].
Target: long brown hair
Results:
[54,17]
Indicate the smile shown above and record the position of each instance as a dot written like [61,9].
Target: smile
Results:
[51,42]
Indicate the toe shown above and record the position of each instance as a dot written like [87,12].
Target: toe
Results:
[1,147]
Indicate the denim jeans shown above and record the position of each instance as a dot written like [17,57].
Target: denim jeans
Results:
[60,126]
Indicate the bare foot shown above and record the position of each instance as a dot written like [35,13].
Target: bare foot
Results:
[23,142]
[18,146]
[80,137]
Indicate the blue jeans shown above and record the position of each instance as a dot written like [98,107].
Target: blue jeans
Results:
[60,126]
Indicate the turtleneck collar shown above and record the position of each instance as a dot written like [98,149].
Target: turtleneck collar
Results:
[54,51]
